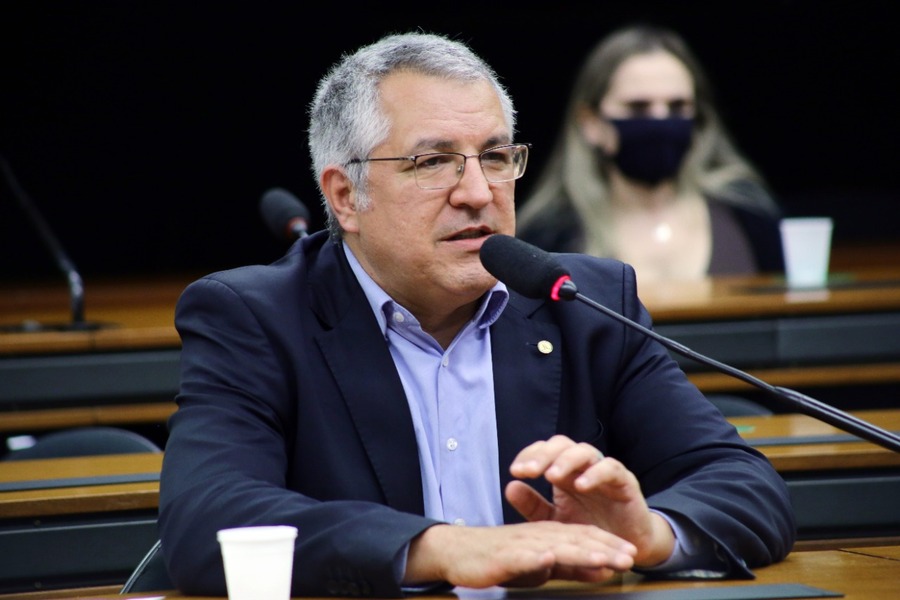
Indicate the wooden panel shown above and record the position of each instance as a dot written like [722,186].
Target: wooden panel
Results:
[811,376]
[795,456]
[58,418]
[135,314]
[81,499]
[754,297]
[856,575]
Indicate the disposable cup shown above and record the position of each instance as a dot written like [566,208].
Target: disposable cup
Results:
[258,561]
[807,250]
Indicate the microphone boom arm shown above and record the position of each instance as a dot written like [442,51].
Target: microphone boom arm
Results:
[807,405]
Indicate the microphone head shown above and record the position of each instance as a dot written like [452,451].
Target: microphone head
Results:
[280,209]
[524,268]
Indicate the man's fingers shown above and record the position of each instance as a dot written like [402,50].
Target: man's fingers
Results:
[534,459]
[573,462]
[528,502]
[597,575]
[529,553]
[609,476]
[556,458]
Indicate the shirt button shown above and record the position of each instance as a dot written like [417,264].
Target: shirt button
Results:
[398,317]
[459,522]
[445,361]
[452,444]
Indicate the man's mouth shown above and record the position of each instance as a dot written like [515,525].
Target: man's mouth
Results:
[470,234]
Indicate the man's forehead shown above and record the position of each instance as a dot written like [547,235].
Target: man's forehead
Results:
[430,112]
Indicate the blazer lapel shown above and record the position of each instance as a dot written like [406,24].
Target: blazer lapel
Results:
[361,363]
[527,378]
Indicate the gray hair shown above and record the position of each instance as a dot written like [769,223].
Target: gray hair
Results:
[346,120]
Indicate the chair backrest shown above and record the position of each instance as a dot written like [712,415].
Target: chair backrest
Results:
[85,441]
[150,575]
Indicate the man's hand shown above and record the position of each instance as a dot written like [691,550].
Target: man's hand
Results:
[525,554]
[591,489]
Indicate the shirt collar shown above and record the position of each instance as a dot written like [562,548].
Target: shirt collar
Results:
[382,304]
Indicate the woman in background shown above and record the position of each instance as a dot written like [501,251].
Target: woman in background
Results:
[645,172]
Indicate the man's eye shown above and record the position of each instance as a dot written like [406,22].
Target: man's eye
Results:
[434,161]
[495,158]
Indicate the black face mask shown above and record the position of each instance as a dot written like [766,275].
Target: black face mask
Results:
[652,150]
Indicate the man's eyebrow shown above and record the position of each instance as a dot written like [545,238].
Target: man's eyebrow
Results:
[498,141]
[432,145]
[443,145]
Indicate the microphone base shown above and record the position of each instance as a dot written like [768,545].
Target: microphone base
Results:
[37,327]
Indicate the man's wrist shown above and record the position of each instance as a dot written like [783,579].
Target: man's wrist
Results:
[663,542]
[423,561]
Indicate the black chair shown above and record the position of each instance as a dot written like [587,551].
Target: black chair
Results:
[150,575]
[737,406]
[85,441]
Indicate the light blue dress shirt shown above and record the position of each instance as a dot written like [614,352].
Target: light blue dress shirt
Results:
[451,399]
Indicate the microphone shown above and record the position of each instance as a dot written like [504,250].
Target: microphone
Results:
[284,214]
[76,286]
[535,273]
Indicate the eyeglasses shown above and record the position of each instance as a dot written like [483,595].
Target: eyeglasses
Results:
[440,170]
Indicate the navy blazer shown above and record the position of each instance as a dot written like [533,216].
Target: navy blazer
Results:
[291,411]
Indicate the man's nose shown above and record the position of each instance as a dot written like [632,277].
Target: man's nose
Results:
[473,187]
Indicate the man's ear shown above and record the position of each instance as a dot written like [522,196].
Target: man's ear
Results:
[341,196]
[596,131]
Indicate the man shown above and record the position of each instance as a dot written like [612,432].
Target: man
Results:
[416,421]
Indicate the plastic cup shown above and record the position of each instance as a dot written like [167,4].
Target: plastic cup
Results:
[807,250]
[258,561]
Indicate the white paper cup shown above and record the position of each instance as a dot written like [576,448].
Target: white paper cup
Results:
[807,250]
[258,561]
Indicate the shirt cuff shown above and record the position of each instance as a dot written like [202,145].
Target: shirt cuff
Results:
[694,554]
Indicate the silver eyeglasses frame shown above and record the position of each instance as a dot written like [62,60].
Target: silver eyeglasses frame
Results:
[517,163]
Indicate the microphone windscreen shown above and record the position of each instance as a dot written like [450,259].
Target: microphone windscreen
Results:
[524,268]
[278,208]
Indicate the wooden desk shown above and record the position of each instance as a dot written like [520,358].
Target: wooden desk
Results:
[742,297]
[89,532]
[35,520]
[79,499]
[124,372]
[887,552]
[781,438]
[842,491]
[858,576]
[848,335]
[136,314]
[856,573]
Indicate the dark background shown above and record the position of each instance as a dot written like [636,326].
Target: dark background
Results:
[146,132]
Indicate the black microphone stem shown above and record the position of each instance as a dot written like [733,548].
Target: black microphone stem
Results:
[794,399]
[76,287]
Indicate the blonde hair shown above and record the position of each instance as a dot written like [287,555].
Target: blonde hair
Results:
[575,174]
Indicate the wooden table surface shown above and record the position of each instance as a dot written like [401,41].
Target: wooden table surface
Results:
[819,454]
[857,573]
[139,311]
[123,496]
[79,499]
[135,313]
[138,314]
[739,297]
